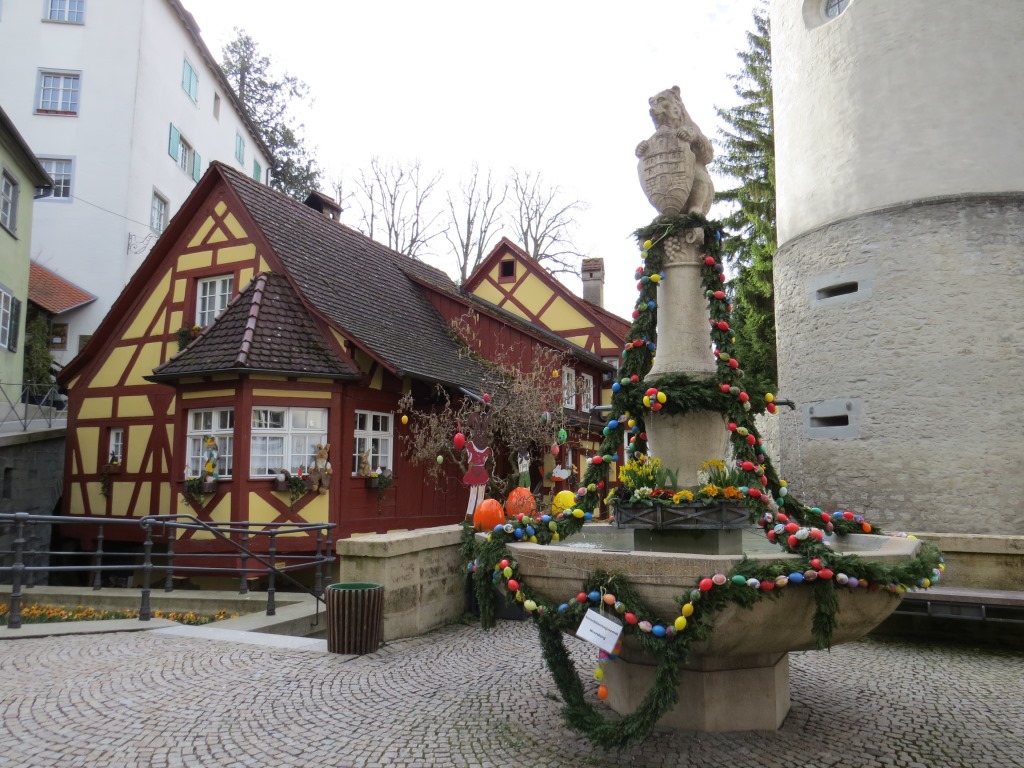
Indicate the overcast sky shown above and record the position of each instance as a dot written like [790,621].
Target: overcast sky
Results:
[558,88]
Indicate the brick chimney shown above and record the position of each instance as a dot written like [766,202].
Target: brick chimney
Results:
[318,201]
[592,273]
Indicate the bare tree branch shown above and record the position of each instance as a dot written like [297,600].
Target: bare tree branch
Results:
[473,217]
[542,222]
[395,203]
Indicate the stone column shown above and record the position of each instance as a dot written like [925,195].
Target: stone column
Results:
[683,443]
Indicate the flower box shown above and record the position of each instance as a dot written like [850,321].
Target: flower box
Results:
[112,469]
[372,482]
[209,486]
[281,485]
[695,515]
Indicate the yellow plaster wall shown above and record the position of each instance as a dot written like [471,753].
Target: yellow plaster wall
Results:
[97,408]
[201,233]
[77,499]
[220,208]
[279,393]
[207,393]
[133,405]
[179,293]
[578,340]
[533,294]
[235,227]
[197,260]
[268,377]
[260,510]
[264,266]
[561,315]
[489,292]
[137,439]
[244,278]
[147,314]
[97,501]
[607,342]
[88,438]
[235,253]
[217,236]
[113,367]
[166,494]
[149,358]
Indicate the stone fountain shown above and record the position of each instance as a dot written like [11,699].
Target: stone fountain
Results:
[738,679]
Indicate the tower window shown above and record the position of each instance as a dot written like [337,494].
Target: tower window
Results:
[835,7]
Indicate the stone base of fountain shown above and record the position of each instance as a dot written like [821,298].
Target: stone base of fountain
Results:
[737,679]
[716,693]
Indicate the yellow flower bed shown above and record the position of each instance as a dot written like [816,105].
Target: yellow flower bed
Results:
[44,614]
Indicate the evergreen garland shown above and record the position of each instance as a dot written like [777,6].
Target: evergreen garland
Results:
[797,528]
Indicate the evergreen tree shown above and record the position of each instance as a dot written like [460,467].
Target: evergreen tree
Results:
[267,100]
[748,155]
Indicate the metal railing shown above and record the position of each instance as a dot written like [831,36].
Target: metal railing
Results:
[240,537]
[28,403]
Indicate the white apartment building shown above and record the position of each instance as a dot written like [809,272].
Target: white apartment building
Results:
[126,107]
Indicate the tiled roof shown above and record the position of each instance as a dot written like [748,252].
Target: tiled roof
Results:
[616,323]
[361,286]
[265,328]
[52,292]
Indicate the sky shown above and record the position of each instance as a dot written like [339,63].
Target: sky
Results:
[556,88]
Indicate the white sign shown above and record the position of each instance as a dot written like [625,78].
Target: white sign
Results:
[600,630]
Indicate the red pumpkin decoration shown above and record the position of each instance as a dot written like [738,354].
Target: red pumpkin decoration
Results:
[520,503]
[488,514]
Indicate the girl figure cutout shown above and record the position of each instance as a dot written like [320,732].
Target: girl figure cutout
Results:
[477,453]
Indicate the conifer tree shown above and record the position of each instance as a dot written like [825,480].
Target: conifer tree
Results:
[747,154]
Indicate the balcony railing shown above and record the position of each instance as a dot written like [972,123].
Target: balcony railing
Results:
[32,405]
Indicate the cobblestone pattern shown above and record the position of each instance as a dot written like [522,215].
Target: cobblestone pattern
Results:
[462,697]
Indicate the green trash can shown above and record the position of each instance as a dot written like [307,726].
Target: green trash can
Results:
[355,616]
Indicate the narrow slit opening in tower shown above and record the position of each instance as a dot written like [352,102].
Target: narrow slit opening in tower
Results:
[837,290]
[830,421]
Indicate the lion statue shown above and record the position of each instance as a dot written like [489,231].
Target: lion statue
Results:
[673,162]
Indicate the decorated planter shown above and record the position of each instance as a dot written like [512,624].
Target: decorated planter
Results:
[371,482]
[695,515]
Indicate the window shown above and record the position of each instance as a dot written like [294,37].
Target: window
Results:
[257,172]
[213,294]
[373,434]
[187,158]
[834,7]
[586,392]
[8,203]
[158,213]
[216,106]
[71,11]
[115,445]
[60,171]
[506,270]
[10,317]
[218,423]
[569,388]
[59,336]
[58,93]
[285,438]
[190,81]
[239,148]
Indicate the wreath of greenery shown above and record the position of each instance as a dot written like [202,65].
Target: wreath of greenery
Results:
[768,498]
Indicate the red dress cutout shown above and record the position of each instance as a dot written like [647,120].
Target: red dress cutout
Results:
[477,474]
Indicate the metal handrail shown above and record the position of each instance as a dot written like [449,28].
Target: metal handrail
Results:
[50,406]
[168,525]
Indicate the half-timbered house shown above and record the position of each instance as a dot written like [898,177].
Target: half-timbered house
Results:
[266,325]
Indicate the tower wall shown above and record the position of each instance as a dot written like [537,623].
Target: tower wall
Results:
[899,277]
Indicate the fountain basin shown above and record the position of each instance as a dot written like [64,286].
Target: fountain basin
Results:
[738,678]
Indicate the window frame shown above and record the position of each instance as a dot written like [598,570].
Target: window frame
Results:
[378,459]
[838,6]
[257,170]
[586,392]
[45,161]
[291,457]
[58,337]
[7,310]
[201,312]
[569,399]
[190,81]
[224,435]
[183,153]
[116,444]
[164,211]
[75,102]
[53,6]
[511,277]
[239,148]
[10,191]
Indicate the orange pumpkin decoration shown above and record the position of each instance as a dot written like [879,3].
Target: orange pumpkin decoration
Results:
[488,514]
[520,502]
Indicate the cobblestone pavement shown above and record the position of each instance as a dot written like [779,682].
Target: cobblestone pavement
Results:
[462,697]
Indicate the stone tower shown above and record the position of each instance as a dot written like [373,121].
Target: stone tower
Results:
[899,276]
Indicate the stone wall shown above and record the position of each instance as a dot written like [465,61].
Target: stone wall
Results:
[422,573]
[900,339]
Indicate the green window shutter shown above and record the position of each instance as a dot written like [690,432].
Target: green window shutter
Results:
[12,334]
[193,89]
[175,141]
[197,164]
[257,172]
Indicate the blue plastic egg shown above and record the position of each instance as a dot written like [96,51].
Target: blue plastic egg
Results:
[796,577]
[658,631]
[594,597]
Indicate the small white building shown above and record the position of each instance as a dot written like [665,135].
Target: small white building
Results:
[125,107]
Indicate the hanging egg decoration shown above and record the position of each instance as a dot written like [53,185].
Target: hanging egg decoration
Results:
[488,514]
